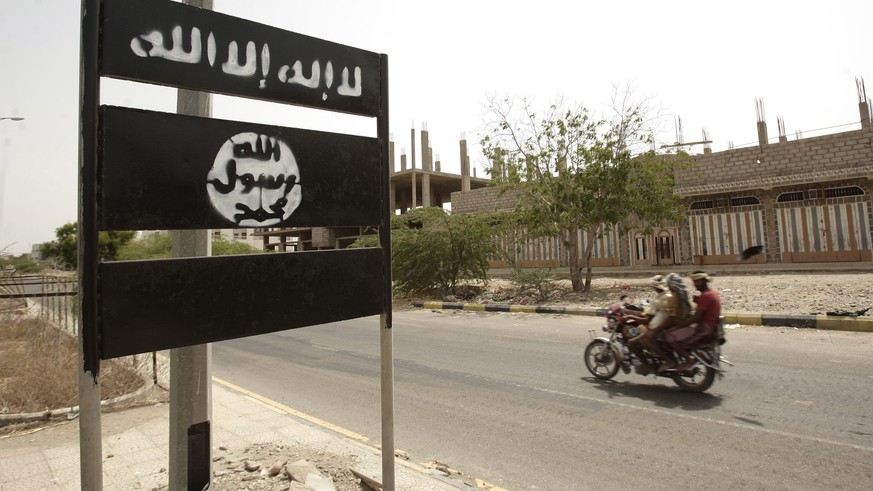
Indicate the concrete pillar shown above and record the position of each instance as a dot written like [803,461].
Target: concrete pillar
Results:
[392,196]
[864,110]
[771,234]
[425,190]
[403,159]
[190,465]
[391,157]
[762,133]
[414,191]
[190,389]
[465,165]
[425,146]
[436,163]
[412,139]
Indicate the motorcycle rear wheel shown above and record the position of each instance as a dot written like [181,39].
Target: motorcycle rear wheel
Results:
[698,379]
[601,360]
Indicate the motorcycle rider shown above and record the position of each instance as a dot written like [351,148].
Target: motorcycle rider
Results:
[655,316]
[678,310]
[700,327]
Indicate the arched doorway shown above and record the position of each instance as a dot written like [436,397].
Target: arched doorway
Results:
[657,249]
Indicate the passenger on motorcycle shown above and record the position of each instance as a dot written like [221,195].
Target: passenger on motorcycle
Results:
[701,327]
[665,307]
[677,310]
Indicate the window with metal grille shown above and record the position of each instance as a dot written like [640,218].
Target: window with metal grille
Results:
[702,205]
[793,196]
[745,200]
[841,192]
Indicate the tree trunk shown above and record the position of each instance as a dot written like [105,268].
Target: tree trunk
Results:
[573,260]
[589,248]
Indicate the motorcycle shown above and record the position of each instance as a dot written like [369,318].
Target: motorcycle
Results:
[605,356]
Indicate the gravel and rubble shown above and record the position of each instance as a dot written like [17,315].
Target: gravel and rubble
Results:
[771,293]
[272,467]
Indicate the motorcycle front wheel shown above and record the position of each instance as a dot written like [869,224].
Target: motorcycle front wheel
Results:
[600,360]
[698,379]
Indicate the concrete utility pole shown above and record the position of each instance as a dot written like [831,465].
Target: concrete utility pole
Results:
[191,367]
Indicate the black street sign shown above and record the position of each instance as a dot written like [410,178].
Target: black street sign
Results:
[161,304]
[170,172]
[168,43]
[147,170]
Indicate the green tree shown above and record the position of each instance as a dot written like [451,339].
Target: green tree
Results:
[64,251]
[20,264]
[112,241]
[152,246]
[434,250]
[223,247]
[573,173]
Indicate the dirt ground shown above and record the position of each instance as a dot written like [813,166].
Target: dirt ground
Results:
[778,293]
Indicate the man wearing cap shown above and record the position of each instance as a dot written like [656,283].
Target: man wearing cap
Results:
[703,323]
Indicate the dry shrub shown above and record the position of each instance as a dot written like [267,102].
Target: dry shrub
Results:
[39,368]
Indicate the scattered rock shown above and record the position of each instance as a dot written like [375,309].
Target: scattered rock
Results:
[319,483]
[251,466]
[371,481]
[276,469]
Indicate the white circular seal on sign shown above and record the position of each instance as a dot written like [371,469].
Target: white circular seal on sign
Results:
[254,181]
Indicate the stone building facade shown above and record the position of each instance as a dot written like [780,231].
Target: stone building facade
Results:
[803,200]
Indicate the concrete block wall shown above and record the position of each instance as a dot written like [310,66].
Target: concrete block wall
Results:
[482,199]
[764,172]
[823,153]
[323,237]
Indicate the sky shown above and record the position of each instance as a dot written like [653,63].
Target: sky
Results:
[704,62]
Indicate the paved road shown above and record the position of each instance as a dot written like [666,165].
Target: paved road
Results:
[506,398]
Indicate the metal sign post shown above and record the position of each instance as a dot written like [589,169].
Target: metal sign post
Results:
[386,332]
[90,433]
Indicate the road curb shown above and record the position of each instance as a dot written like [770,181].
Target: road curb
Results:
[72,412]
[826,322]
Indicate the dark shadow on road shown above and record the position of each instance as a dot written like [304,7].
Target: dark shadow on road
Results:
[661,395]
[749,421]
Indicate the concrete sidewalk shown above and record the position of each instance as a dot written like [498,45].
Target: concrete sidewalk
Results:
[135,446]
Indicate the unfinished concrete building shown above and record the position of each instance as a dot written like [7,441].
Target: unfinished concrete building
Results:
[414,184]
